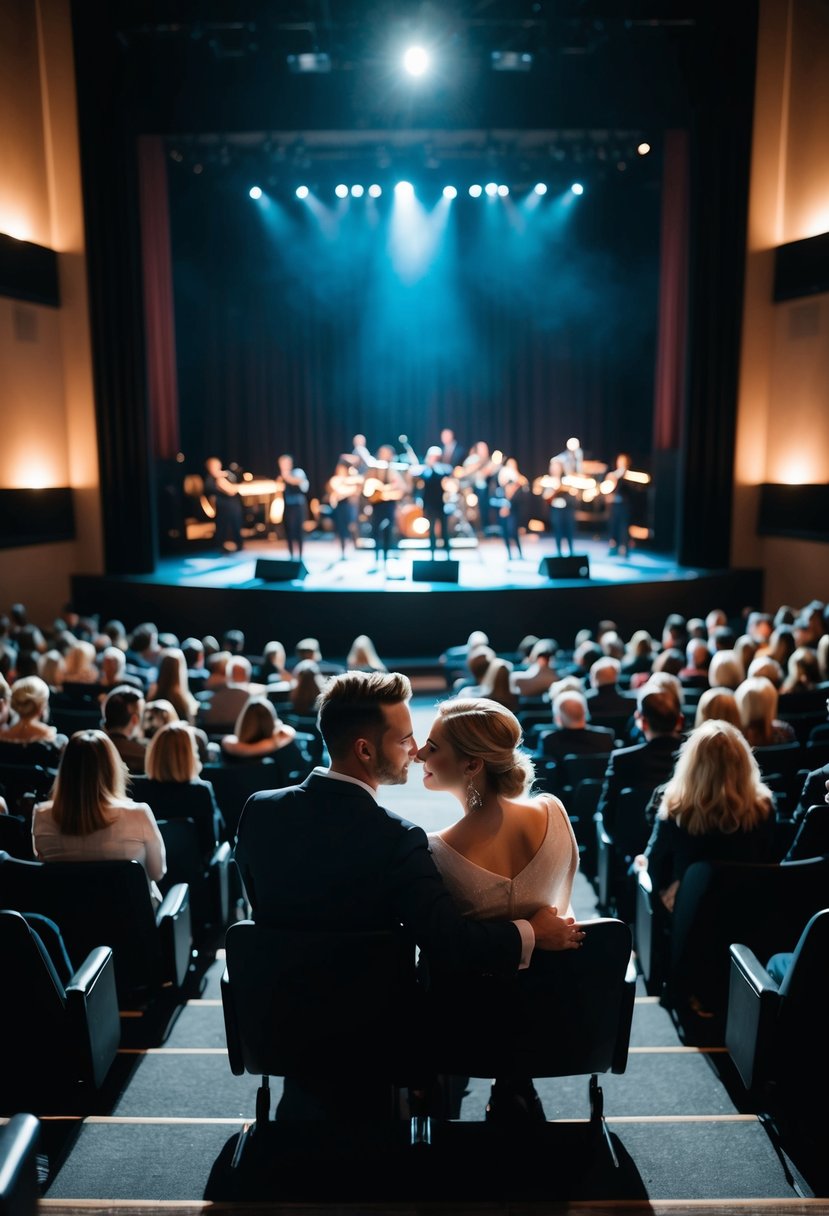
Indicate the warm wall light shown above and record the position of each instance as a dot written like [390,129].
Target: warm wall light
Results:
[798,471]
[16,226]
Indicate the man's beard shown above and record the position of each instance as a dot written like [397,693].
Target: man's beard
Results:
[387,774]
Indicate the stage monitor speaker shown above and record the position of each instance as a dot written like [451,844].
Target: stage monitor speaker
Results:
[279,570]
[435,572]
[576,566]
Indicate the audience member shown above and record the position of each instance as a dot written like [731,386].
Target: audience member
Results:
[171,684]
[540,673]
[697,658]
[173,762]
[79,664]
[363,655]
[639,653]
[725,670]
[757,702]
[114,670]
[803,673]
[764,665]
[604,699]
[718,704]
[274,666]
[28,738]
[89,816]
[143,650]
[572,736]
[159,713]
[307,682]
[650,763]
[51,669]
[225,704]
[123,723]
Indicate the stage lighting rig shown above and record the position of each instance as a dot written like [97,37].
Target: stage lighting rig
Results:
[309,61]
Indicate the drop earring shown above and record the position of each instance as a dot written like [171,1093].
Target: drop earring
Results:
[474,801]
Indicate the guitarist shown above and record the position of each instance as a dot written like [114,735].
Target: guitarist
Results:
[384,487]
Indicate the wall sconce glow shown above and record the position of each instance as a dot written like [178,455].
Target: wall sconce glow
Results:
[540,187]
[357,191]
[302,192]
[375,191]
[255,192]
[15,227]
[404,190]
[34,475]
[798,471]
[643,149]
[503,191]
[491,189]
[341,190]
[577,188]
[450,192]
[475,191]
[415,60]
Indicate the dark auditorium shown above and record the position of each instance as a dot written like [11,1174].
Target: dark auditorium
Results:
[414,607]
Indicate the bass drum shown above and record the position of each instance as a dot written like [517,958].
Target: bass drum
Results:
[411,522]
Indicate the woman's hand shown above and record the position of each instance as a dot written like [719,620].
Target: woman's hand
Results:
[554,932]
[668,896]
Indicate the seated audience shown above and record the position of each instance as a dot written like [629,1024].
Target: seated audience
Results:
[675,633]
[227,703]
[745,648]
[639,653]
[697,658]
[718,704]
[274,666]
[725,670]
[28,738]
[143,650]
[572,736]
[79,665]
[477,661]
[233,641]
[172,763]
[307,682]
[604,699]
[540,672]
[259,732]
[194,661]
[309,649]
[803,673]
[495,684]
[89,816]
[123,723]
[509,854]
[171,684]
[764,665]
[114,670]
[782,645]
[51,669]
[363,656]
[650,763]
[5,704]
[757,702]
[117,634]
[159,713]
[723,638]
[714,808]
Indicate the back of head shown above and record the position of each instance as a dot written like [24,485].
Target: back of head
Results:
[605,672]
[90,776]
[233,640]
[193,652]
[256,722]
[172,671]
[723,638]
[173,754]
[640,644]
[764,665]
[120,705]
[725,670]
[697,654]
[351,706]
[477,638]
[479,660]
[144,637]
[308,648]
[157,714]
[660,708]
[756,700]
[544,648]
[613,645]
[482,729]
[570,710]
[671,660]
[718,703]
[716,784]
[29,697]
[586,654]
[238,670]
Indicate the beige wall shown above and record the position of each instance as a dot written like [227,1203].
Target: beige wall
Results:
[783,416]
[46,395]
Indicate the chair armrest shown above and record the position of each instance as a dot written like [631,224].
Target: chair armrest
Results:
[92,1013]
[19,1189]
[604,847]
[753,1002]
[234,1045]
[176,933]
[220,879]
[643,924]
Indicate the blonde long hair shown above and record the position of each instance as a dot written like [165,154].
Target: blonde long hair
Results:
[716,785]
[485,730]
[91,776]
[173,754]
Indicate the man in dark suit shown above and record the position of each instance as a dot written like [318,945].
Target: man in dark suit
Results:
[659,717]
[325,855]
[572,736]
[604,699]
[451,452]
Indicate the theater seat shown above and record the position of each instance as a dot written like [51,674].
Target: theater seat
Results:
[19,1189]
[109,902]
[55,1033]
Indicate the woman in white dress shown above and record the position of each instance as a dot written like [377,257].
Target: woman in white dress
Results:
[509,854]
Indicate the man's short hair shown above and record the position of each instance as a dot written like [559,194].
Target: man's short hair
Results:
[234,641]
[143,637]
[723,638]
[351,706]
[308,648]
[660,709]
[120,705]
[193,651]
[570,709]
[238,670]
[545,648]
[605,671]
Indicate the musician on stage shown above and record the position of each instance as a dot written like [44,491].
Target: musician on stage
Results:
[343,489]
[294,485]
[510,484]
[221,487]
[561,501]
[480,469]
[361,458]
[452,452]
[384,487]
[618,498]
[429,491]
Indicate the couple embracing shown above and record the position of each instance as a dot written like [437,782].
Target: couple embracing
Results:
[478,897]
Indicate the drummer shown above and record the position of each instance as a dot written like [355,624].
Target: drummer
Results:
[429,491]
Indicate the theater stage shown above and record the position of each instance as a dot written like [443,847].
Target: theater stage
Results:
[207,592]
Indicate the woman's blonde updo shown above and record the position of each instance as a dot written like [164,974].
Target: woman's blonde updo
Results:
[484,730]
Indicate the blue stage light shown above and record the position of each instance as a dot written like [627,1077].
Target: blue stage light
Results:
[415,60]
[357,191]
[491,189]
[475,191]
[341,191]
[540,188]
[503,191]
[450,192]
[404,190]
[577,188]
[375,191]
[255,192]
[302,191]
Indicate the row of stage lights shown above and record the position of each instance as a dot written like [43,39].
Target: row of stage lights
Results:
[406,190]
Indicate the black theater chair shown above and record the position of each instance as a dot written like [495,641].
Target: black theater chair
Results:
[233,784]
[208,881]
[811,837]
[22,785]
[58,1030]
[16,836]
[19,1186]
[617,847]
[108,901]
[776,1036]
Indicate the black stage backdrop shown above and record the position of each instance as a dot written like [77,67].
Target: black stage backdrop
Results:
[522,330]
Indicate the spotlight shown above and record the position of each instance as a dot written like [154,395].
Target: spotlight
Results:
[404,190]
[375,191]
[255,192]
[357,191]
[540,187]
[491,189]
[577,188]
[415,61]
[450,192]
[302,192]
[475,191]
[503,191]
[341,191]
[643,149]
